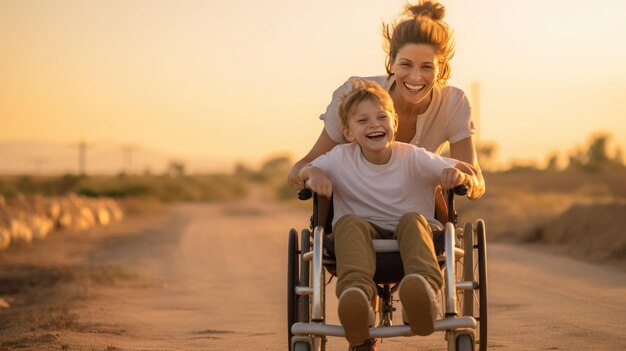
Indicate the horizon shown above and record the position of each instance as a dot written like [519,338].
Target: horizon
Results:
[24,157]
[226,83]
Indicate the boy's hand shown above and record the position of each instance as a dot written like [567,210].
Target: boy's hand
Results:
[451,177]
[320,184]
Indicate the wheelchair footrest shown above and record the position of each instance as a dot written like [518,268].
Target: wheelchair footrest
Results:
[381,332]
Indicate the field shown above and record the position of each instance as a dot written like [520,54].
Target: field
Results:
[566,209]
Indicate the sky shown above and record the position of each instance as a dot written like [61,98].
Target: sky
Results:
[227,81]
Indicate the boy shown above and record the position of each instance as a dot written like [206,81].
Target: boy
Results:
[380,188]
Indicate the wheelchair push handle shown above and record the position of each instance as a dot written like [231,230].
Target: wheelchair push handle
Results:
[461,190]
[305,194]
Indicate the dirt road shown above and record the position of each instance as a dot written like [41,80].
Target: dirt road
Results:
[212,277]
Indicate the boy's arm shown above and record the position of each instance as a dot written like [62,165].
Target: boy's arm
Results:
[323,144]
[461,173]
[314,178]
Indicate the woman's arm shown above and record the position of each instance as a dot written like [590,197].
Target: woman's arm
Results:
[323,144]
[464,150]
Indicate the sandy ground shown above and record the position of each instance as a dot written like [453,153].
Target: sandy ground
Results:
[213,277]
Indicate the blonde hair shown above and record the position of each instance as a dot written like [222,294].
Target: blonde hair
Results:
[423,25]
[363,90]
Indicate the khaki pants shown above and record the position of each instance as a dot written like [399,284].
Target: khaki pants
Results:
[356,259]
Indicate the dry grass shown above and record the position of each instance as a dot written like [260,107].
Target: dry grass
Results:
[517,203]
[578,213]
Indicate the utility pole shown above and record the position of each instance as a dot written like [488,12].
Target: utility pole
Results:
[128,151]
[82,158]
[475,101]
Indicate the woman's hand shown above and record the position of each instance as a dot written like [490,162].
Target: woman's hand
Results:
[477,189]
[293,178]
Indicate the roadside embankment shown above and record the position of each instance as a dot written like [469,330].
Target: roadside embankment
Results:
[594,231]
[24,218]
[580,214]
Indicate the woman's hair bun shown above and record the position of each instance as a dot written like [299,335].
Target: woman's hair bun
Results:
[427,8]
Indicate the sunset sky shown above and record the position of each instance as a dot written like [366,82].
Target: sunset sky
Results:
[227,81]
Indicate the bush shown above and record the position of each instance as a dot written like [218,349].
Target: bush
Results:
[212,187]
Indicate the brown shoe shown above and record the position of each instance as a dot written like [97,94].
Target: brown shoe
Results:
[420,304]
[368,345]
[355,314]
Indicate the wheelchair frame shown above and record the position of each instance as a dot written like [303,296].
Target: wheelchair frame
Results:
[463,298]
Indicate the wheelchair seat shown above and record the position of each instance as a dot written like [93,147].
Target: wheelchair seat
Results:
[389,268]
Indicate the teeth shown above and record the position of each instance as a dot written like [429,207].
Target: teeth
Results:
[414,86]
[375,134]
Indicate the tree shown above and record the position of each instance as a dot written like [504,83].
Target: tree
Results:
[176,168]
[598,156]
[553,162]
[276,168]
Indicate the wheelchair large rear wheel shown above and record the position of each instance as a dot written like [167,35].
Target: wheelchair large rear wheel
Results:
[305,271]
[468,269]
[475,270]
[292,281]
[481,241]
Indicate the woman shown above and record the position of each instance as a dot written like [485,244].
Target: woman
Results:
[430,112]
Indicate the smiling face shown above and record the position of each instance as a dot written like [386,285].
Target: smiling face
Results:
[415,69]
[373,128]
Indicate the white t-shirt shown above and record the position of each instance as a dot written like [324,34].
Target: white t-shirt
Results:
[383,193]
[447,118]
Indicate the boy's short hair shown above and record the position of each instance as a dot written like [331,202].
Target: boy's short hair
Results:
[363,90]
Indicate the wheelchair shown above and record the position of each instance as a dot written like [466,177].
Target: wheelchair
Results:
[462,255]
